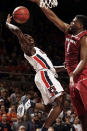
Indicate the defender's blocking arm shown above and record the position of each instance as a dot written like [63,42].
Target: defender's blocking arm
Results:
[53,17]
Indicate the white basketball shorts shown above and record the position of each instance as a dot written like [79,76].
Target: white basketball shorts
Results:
[48,85]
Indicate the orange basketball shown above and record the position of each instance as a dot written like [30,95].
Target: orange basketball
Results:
[21,14]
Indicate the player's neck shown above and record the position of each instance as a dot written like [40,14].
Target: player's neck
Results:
[77,32]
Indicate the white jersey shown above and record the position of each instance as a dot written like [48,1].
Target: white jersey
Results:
[45,80]
[40,61]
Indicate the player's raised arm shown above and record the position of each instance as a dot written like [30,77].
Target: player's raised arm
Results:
[14,29]
[53,17]
[26,41]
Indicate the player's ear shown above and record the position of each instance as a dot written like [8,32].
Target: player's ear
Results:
[81,25]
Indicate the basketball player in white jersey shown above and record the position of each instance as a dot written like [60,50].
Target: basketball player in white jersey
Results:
[50,88]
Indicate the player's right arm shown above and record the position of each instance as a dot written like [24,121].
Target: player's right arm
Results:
[53,17]
[14,29]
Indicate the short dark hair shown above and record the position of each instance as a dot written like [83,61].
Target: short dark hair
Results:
[83,20]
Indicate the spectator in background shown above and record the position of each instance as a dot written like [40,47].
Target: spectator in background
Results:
[14,92]
[4,125]
[12,115]
[17,124]
[1,102]
[18,97]
[67,104]
[67,126]
[35,121]
[22,128]
[58,124]
[2,111]
[50,129]
[4,96]
[40,119]
[38,129]
[77,124]
[27,122]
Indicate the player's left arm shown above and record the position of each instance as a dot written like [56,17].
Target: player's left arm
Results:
[14,29]
[83,57]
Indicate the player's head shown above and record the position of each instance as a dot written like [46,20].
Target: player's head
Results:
[28,43]
[29,39]
[78,23]
[83,20]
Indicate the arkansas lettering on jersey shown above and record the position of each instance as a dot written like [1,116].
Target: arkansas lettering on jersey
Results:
[72,50]
[40,60]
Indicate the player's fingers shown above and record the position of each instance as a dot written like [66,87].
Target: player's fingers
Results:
[8,15]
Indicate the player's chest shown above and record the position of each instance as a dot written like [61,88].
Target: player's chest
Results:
[71,45]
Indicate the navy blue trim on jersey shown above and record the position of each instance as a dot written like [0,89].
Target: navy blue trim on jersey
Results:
[43,60]
[50,83]
[48,79]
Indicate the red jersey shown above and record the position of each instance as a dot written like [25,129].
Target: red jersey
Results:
[72,52]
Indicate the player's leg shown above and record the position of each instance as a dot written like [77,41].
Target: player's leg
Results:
[82,85]
[46,108]
[42,107]
[26,103]
[55,92]
[39,106]
[78,106]
[56,110]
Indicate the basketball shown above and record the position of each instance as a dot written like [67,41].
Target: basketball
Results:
[21,14]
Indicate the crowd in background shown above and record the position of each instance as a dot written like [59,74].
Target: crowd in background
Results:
[17,79]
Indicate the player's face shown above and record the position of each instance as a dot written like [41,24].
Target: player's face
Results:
[28,44]
[29,39]
[74,26]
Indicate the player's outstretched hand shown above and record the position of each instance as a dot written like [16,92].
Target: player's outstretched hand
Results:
[9,18]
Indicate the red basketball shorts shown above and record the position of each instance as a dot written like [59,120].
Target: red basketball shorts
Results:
[79,97]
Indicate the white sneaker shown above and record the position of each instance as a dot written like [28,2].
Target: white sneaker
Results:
[27,105]
[20,110]
[23,108]
[24,99]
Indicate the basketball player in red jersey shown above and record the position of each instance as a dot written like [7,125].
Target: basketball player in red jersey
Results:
[50,88]
[75,59]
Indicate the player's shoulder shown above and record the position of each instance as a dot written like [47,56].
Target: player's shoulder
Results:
[39,51]
[83,40]
[36,48]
